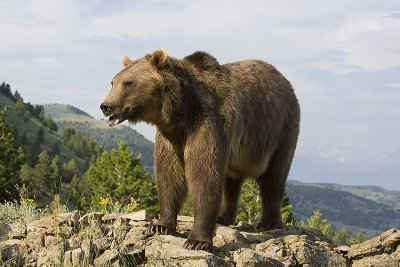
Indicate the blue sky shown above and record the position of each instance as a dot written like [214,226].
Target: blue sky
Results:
[342,57]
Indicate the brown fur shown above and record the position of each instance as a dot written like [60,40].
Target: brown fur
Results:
[216,125]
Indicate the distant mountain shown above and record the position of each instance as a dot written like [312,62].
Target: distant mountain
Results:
[70,116]
[367,209]
[344,165]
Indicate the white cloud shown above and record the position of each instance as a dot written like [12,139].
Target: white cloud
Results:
[67,51]
[42,65]
[369,41]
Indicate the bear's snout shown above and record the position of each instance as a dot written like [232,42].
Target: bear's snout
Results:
[106,108]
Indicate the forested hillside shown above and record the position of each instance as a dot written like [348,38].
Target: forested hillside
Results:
[68,116]
[357,208]
[54,167]
[36,132]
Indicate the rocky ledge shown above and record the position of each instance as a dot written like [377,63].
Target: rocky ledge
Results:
[98,239]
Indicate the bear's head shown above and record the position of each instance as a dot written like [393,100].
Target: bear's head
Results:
[136,90]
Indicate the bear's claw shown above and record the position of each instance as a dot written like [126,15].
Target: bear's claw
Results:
[159,229]
[198,245]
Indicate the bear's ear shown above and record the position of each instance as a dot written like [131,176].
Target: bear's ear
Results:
[126,60]
[159,57]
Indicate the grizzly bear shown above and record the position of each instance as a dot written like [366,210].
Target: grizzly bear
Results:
[216,126]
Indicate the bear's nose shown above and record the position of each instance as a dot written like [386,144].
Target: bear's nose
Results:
[105,108]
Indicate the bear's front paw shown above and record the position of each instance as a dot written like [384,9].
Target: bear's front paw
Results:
[198,245]
[266,226]
[159,229]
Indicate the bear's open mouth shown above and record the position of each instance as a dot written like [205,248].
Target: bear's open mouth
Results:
[117,119]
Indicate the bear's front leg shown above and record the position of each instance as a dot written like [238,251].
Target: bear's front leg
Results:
[171,186]
[204,171]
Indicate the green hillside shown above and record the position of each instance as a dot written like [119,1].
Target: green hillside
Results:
[27,131]
[68,116]
[376,194]
[50,161]
[368,210]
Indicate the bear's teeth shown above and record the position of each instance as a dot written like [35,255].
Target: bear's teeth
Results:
[112,122]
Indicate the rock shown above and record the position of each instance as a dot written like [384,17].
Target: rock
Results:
[73,243]
[135,239]
[19,231]
[227,239]
[75,217]
[138,216]
[108,258]
[385,243]
[51,240]
[90,218]
[110,218]
[35,240]
[4,230]
[73,257]
[249,258]
[101,245]
[343,249]
[166,250]
[50,257]
[121,240]
[15,251]
[301,249]
[378,260]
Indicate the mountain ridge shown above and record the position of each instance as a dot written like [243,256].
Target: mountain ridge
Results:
[69,116]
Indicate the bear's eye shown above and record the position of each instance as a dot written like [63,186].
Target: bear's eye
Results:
[127,84]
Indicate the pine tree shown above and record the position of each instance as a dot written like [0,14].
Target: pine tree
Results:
[70,170]
[342,237]
[286,212]
[56,148]
[26,175]
[5,89]
[43,182]
[316,222]
[56,172]
[40,135]
[359,238]
[41,116]
[11,160]
[16,96]
[20,106]
[249,208]
[119,176]
[49,123]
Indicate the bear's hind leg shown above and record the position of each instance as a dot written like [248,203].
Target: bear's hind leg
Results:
[229,203]
[272,188]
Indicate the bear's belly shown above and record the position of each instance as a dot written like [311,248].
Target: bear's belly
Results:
[248,158]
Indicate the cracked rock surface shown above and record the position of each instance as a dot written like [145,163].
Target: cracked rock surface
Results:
[97,239]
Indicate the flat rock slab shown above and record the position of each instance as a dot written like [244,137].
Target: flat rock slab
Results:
[385,243]
[166,250]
